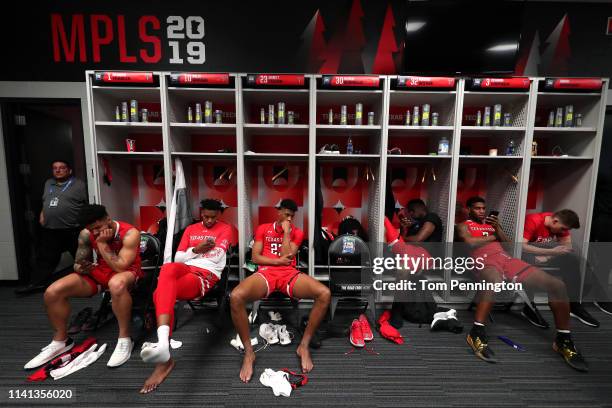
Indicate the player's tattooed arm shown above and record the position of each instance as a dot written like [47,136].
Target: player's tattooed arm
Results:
[84,253]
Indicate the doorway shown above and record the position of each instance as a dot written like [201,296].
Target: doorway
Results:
[36,132]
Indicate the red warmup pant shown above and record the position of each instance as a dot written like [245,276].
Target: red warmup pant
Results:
[179,281]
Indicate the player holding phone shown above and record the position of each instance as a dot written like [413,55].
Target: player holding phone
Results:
[199,262]
[484,235]
[547,242]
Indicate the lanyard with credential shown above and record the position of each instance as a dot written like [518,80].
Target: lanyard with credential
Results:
[63,189]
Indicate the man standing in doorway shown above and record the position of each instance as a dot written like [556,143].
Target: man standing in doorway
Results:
[63,197]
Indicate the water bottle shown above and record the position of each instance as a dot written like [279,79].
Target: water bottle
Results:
[443,146]
[349,146]
[510,148]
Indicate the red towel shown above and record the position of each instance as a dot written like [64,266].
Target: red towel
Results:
[387,331]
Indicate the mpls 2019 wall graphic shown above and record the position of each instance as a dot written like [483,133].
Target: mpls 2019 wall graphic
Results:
[59,40]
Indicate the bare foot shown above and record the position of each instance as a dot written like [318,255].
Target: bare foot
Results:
[162,370]
[304,354]
[246,372]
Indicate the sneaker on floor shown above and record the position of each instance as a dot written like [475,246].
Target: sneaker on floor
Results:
[105,316]
[268,333]
[605,307]
[356,335]
[565,346]
[49,352]
[284,337]
[275,316]
[79,320]
[122,352]
[478,341]
[532,314]
[578,311]
[154,353]
[366,330]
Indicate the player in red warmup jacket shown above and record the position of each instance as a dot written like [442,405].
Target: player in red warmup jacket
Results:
[484,234]
[116,267]
[199,262]
[276,245]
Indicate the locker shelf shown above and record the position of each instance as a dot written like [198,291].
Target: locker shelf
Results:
[258,153]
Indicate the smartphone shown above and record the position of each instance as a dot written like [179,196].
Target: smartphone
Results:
[493,213]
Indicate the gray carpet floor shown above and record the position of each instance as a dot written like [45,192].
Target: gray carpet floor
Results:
[430,369]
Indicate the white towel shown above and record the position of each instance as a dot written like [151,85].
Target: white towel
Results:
[84,359]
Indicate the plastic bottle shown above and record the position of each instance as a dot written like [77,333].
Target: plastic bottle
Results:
[349,146]
[510,148]
[443,146]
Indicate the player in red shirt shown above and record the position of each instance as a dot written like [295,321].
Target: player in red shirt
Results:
[484,234]
[199,262]
[398,245]
[274,250]
[547,242]
[116,267]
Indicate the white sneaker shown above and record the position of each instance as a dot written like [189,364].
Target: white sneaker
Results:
[122,352]
[49,352]
[154,353]
[438,317]
[277,380]
[275,316]
[268,333]
[252,317]
[283,335]
[237,343]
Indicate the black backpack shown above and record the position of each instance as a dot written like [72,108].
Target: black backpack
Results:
[421,308]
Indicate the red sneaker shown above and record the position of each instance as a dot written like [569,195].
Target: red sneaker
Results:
[365,328]
[356,336]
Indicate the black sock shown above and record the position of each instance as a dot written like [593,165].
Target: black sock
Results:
[563,336]
[477,330]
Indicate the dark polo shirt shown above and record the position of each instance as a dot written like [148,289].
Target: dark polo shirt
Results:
[61,203]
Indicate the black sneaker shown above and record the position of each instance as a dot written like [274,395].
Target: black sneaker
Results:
[79,320]
[579,312]
[605,307]
[478,341]
[30,289]
[533,316]
[565,346]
